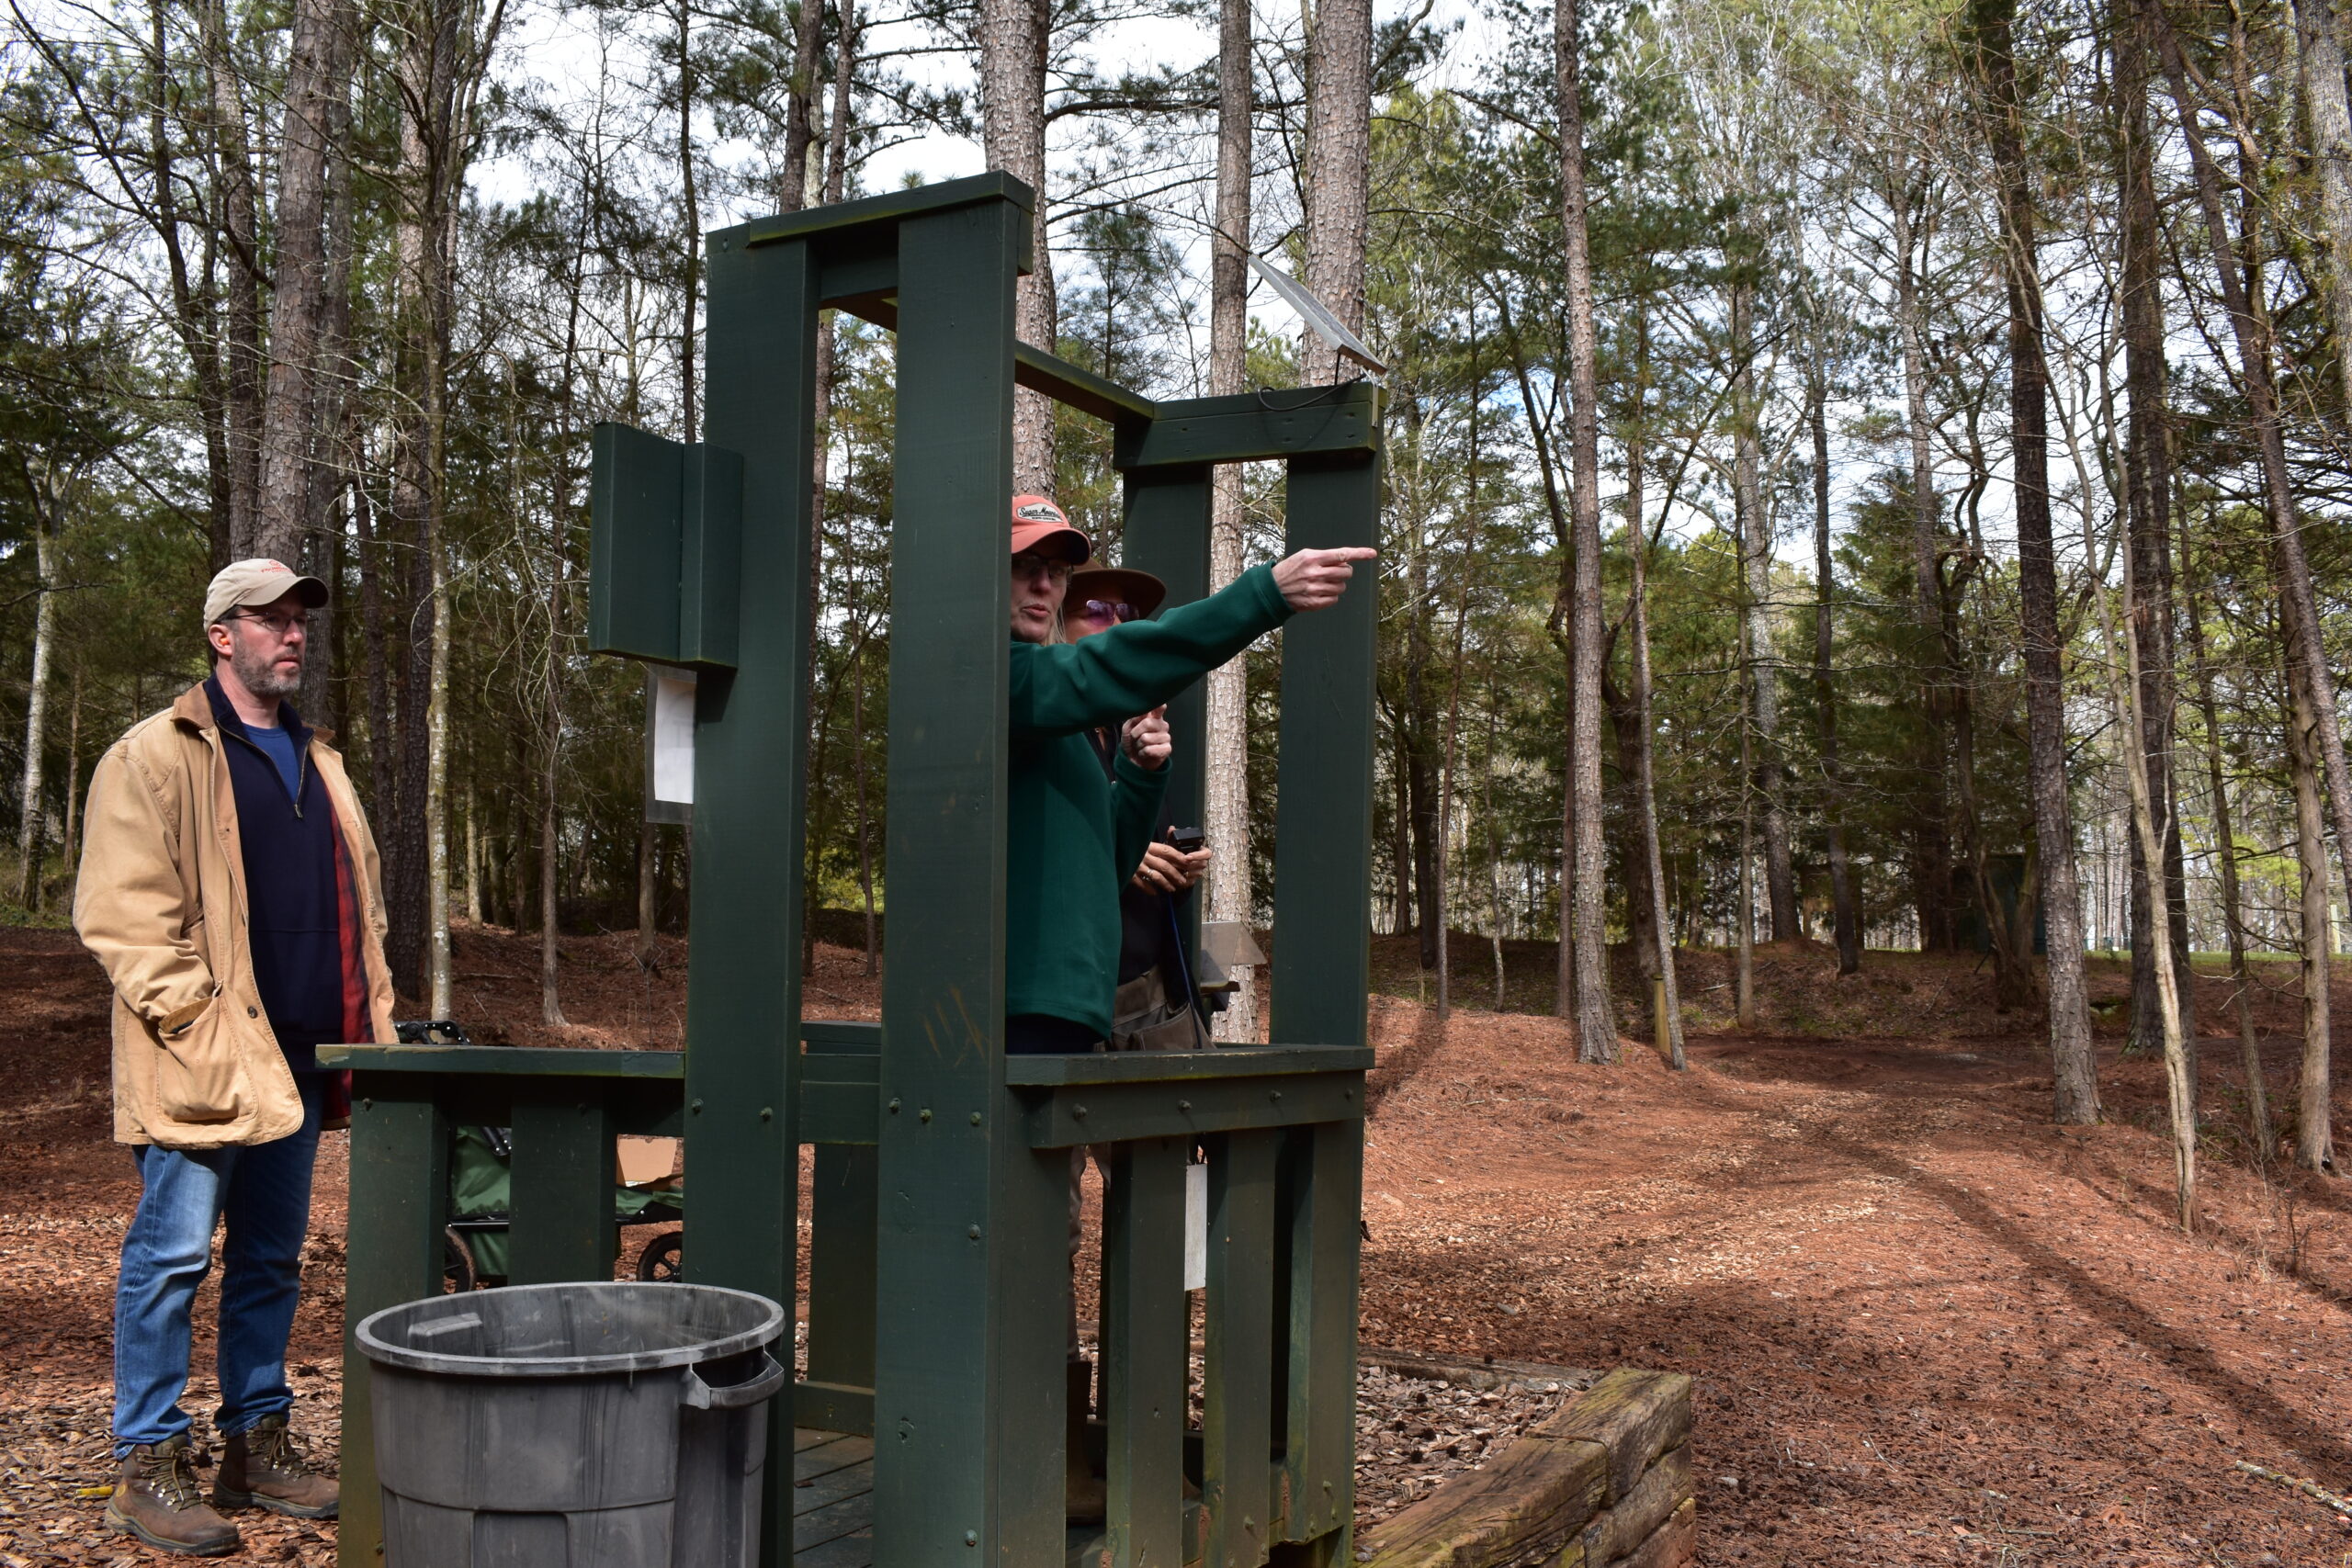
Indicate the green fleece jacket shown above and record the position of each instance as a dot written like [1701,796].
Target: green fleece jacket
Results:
[1073,837]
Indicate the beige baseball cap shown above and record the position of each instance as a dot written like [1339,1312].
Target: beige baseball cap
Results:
[246,584]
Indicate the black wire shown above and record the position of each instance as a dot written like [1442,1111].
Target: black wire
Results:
[1314,395]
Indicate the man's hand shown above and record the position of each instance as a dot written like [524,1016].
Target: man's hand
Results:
[1167,869]
[1145,740]
[1314,579]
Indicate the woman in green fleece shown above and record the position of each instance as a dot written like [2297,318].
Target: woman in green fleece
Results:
[1074,837]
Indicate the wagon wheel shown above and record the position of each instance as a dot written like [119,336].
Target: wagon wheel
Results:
[457,1274]
[663,1261]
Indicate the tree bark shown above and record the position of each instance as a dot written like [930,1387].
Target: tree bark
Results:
[1583,893]
[1338,171]
[289,416]
[1756,597]
[2319,74]
[1226,802]
[239,233]
[1014,37]
[2074,1069]
[795,180]
[29,826]
[1845,915]
[2314,1131]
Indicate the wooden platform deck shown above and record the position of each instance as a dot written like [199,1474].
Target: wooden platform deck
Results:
[833,1500]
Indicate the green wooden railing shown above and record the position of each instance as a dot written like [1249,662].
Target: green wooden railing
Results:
[937,1292]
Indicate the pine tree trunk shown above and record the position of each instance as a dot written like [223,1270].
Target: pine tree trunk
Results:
[2319,74]
[1756,568]
[1845,915]
[2073,1068]
[1584,896]
[1226,802]
[2314,1131]
[290,432]
[1014,37]
[794,180]
[436,801]
[1339,168]
[192,304]
[2147,468]
[239,237]
[29,825]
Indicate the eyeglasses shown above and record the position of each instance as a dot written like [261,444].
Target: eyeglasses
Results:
[1029,564]
[1109,610]
[284,625]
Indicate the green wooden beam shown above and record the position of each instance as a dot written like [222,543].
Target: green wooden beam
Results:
[972,1270]
[1073,1115]
[400,1199]
[1325,1208]
[1254,426]
[890,207]
[1236,1409]
[750,735]
[506,1061]
[1180,1066]
[1143,1350]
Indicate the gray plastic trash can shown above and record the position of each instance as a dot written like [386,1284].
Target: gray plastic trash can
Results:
[587,1426]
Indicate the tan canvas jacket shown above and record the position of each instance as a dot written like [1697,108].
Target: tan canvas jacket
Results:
[161,903]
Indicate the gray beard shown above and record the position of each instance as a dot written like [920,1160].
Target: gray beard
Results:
[259,673]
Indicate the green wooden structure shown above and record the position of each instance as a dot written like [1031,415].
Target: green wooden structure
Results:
[935,1293]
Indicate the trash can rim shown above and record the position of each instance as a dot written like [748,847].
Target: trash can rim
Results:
[766,1332]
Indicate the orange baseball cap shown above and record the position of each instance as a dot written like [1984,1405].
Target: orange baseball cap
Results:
[1039,525]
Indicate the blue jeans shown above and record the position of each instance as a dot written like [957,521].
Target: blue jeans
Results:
[263,1191]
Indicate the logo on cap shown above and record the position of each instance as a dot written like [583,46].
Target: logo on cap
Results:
[1040,511]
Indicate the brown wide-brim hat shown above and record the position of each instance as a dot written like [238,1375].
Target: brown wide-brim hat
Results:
[1041,526]
[1142,589]
[249,584]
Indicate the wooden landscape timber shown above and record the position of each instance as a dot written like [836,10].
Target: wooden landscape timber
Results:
[1604,1483]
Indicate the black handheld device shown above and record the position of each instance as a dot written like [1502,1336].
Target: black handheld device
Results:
[1191,841]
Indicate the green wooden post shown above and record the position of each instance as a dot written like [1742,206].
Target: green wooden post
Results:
[840,1287]
[1326,1193]
[1323,812]
[1144,1353]
[1237,1416]
[399,1188]
[972,1274]
[563,1184]
[744,986]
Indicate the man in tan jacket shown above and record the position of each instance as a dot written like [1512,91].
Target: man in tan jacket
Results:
[229,886]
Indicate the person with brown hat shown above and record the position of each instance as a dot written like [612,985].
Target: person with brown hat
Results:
[229,886]
[1155,1007]
[1073,836]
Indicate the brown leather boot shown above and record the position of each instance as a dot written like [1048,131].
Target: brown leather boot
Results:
[156,1499]
[261,1468]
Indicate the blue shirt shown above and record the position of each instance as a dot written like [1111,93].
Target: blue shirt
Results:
[282,751]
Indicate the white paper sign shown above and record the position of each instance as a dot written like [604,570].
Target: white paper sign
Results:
[674,739]
[1196,1227]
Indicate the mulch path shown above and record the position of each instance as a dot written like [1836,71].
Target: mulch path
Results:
[1925,1325]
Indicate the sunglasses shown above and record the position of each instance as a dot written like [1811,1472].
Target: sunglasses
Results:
[1108,610]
